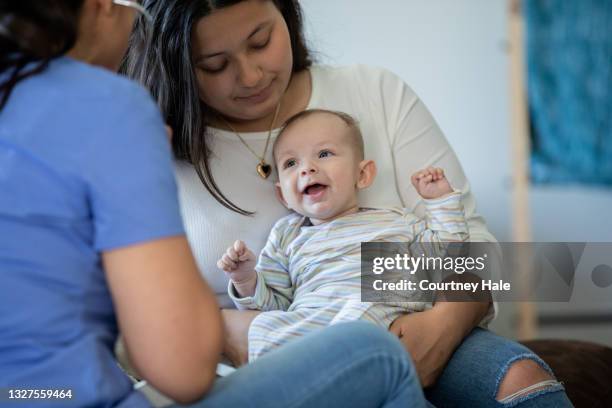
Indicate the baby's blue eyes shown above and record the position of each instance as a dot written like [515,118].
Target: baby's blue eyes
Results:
[322,154]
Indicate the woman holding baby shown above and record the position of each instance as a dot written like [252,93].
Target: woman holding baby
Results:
[226,75]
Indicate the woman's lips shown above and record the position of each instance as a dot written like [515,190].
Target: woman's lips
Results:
[258,97]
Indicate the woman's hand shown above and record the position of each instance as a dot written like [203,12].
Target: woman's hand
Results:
[432,336]
[429,343]
[236,325]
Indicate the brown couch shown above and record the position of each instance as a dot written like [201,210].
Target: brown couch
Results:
[584,368]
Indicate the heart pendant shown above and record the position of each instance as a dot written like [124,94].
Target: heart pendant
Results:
[264,170]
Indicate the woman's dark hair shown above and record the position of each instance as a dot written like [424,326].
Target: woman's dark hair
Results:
[160,59]
[32,33]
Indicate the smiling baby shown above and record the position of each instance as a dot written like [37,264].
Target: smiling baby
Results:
[308,275]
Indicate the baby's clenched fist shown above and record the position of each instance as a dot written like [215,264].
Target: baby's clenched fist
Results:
[431,183]
[238,262]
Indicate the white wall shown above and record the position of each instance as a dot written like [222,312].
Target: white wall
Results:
[453,53]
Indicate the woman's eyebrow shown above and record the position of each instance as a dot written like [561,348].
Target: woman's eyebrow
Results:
[257,29]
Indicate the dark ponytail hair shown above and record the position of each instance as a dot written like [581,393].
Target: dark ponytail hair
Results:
[33,31]
[160,59]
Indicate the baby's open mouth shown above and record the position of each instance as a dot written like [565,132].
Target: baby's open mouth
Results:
[314,189]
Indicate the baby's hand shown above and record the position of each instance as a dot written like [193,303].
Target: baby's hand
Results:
[238,262]
[431,183]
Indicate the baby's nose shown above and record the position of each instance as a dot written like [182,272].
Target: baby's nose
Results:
[308,170]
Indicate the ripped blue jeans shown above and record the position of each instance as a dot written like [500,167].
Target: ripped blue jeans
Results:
[476,369]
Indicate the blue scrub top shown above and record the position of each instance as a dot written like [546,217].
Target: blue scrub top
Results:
[85,167]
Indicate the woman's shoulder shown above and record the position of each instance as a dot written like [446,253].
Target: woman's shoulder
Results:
[91,94]
[76,104]
[363,73]
[79,82]
[352,69]
[375,84]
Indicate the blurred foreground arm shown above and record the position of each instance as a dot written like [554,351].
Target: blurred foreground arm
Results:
[167,314]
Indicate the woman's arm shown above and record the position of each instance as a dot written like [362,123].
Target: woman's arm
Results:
[432,336]
[167,314]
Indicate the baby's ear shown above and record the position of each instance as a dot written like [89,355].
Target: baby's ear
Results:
[367,174]
[279,194]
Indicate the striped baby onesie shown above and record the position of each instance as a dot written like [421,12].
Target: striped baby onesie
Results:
[308,277]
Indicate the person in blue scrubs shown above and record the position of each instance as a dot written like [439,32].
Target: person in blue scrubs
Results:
[92,243]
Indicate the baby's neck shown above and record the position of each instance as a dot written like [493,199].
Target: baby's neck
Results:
[349,211]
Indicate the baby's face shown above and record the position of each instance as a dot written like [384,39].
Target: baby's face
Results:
[318,167]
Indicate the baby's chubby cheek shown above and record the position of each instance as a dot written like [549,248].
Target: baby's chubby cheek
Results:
[286,195]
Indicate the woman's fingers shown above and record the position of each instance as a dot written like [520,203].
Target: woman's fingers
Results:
[396,328]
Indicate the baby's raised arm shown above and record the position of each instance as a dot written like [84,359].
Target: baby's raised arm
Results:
[444,214]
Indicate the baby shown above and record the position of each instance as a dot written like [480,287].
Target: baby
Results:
[308,274]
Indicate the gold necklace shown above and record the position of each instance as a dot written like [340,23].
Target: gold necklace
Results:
[263,168]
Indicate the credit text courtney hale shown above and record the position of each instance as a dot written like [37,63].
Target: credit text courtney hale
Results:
[404,263]
[404,285]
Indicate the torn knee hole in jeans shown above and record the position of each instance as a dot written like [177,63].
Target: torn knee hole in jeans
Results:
[540,386]
[546,382]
